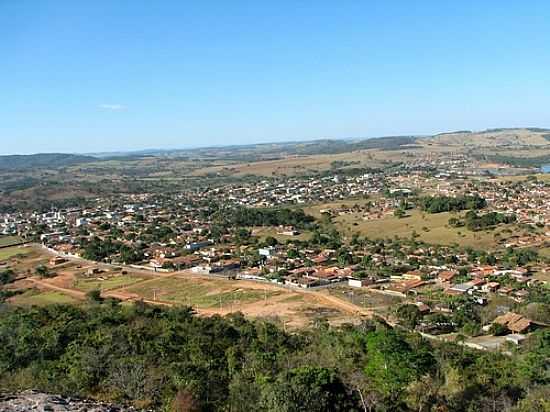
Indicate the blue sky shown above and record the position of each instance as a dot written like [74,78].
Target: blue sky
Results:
[87,76]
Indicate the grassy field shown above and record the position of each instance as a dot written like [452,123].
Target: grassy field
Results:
[35,297]
[202,294]
[431,228]
[9,240]
[114,282]
[9,252]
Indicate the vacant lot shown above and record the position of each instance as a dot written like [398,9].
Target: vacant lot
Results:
[376,301]
[200,293]
[211,295]
[105,283]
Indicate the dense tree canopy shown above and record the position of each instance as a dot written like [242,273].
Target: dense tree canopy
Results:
[438,204]
[162,358]
[268,217]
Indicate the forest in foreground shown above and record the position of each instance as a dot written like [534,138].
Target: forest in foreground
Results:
[173,360]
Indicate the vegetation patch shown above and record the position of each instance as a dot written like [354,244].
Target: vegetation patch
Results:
[34,297]
[10,252]
[10,240]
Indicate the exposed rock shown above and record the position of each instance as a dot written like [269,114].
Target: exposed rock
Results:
[43,402]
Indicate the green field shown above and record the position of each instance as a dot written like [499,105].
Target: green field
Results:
[110,283]
[200,293]
[35,297]
[10,240]
[431,228]
[9,252]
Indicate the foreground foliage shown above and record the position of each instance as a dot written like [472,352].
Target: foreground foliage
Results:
[171,359]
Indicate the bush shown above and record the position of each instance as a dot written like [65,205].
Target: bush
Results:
[94,295]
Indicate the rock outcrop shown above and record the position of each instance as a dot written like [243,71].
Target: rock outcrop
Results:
[42,402]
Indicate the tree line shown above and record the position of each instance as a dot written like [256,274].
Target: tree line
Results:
[438,204]
[475,222]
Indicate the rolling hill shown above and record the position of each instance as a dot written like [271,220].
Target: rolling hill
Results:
[42,160]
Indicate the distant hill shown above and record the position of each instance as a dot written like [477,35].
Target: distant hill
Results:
[518,137]
[269,151]
[42,160]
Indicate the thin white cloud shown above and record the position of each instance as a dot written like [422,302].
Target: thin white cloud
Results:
[112,106]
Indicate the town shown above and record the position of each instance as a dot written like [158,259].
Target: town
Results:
[305,233]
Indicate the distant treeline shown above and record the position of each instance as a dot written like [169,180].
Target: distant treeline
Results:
[438,204]
[44,160]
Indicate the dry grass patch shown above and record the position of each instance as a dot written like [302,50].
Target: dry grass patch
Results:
[430,228]
[34,297]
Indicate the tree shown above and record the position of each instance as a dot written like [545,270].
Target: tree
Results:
[6,276]
[498,329]
[271,241]
[307,389]
[409,315]
[42,271]
[399,213]
[344,257]
[94,295]
[392,363]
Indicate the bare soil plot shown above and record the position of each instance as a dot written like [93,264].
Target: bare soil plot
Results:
[370,300]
